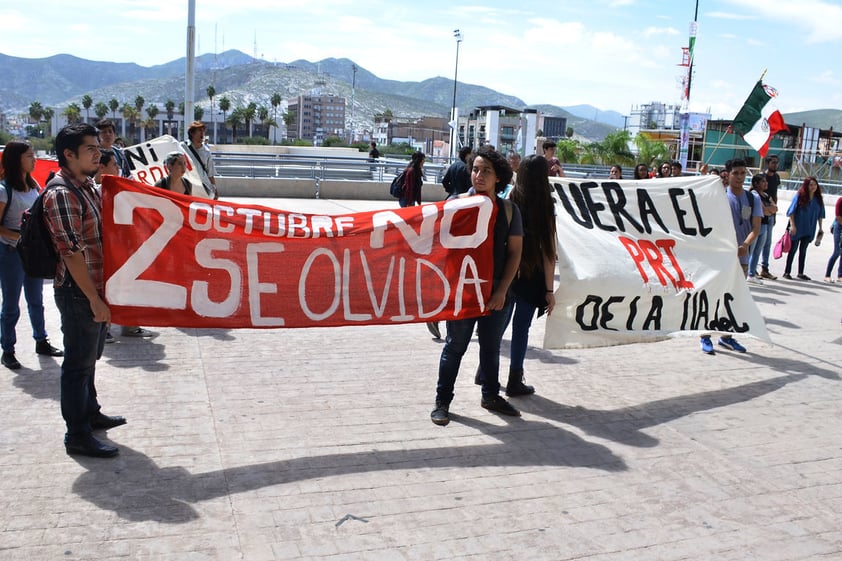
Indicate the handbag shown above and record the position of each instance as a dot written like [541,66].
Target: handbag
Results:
[783,246]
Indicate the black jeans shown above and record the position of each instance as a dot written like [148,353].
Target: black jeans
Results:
[801,245]
[84,340]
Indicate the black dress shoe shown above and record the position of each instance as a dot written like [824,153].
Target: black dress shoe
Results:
[100,421]
[89,446]
[10,362]
[43,347]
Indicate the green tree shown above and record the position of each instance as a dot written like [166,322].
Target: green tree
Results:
[333,141]
[36,111]
[568,150]
[649,151]
[249,113]
[87,101]
[114,105]
[100,110]
[569,132]
[131,115]
[224,106]
[211,91]
[236,119]
[73,113]
[276,102]
[198,112]
[614,149]
[151,124]
[138,103]
[265,121]
[49,112]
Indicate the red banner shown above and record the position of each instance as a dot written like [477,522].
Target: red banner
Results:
[42,170]
[173,260]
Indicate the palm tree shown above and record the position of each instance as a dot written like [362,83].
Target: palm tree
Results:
[36,111]
[152,111]
[263,117]
[649,151]
[249,114]
[276,101]
[114,105]
[198,112]
[289,119]
[224,106]
[72,113]
[87,101]
[236,119]
[615,148]
[211,91]
[48,117]
[131,115]
[138,103]
[100,110]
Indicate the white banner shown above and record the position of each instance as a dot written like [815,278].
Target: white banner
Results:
[642,260]
[146,161]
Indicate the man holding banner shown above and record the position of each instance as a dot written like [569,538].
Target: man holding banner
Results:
[202,158]
[72,209]
[746,212]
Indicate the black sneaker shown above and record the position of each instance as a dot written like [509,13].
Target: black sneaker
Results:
[500,405]
[10,362]
[43,347]
[440,415]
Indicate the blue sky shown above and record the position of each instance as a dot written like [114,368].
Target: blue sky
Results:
[608,53]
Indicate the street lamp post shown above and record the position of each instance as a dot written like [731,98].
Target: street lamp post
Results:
[453,121]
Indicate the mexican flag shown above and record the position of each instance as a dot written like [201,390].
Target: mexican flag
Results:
[759,120]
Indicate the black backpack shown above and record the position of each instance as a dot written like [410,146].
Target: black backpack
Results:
[397,187]
[35,245]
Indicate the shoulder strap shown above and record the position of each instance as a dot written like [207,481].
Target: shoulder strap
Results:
[59,182]
[8,201]
[198,159]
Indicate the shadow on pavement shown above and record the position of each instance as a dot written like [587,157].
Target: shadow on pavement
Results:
[625,425]
[136,489]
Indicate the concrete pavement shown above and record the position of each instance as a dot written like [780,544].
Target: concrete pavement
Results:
[317,444]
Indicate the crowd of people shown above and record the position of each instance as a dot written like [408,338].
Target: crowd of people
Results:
[524,257]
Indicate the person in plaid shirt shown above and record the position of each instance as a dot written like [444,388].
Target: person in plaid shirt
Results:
[72,208]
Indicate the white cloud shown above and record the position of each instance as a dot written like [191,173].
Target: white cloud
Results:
[822,20]
[660,31]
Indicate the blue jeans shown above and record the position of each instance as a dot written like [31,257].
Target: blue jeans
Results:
[756,249]
[84,340]
[490,330]
[12,280]
[837,250]
[767,244]
[522,321]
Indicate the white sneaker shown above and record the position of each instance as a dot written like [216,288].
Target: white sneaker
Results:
[754,280]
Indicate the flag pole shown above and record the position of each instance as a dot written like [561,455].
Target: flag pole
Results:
[715,148]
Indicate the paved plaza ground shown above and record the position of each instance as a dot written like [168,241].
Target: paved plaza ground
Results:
[262,445]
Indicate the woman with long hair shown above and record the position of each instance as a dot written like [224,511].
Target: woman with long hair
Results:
[805,211]
[413,179]
[533,286]
[758,185]
[18,191]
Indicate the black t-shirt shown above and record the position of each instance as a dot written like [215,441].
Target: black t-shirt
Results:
[772,183]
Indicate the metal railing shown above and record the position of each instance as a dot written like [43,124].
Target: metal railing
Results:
[339,168]
[317,168]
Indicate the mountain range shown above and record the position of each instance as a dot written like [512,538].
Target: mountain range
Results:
[62,79]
